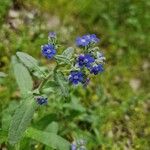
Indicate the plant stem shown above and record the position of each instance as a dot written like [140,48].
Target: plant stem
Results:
[43,82]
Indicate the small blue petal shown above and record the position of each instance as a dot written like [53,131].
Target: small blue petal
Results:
[86,40]
[81,41]
[85,60]
[97,69]
[76,77]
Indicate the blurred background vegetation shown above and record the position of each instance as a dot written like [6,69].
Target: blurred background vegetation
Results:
[114,111]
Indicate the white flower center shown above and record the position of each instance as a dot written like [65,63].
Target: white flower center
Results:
[85,60]
[83,40]
[48,51]
[76,77]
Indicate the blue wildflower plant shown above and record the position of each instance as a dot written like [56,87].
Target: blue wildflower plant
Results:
[63,68]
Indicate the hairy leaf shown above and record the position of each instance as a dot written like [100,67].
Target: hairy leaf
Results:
[29,62]
[62,59]
[61,81]
[50,139]
[22,76]
[68,52]
[21,120]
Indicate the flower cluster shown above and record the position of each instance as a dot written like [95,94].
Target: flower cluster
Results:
[90,62]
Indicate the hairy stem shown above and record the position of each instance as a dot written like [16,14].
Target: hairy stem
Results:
[43,82]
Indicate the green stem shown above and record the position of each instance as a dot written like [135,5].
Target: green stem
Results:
[43,82]
[17,146]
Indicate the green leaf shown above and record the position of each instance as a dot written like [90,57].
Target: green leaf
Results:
[21,120]
[53,127]
[68,52]
[65,57]
[43,122]
[7,115]
[50,139]
[22,76]
[29,62]
[63,84]
[3,136]
[62,59]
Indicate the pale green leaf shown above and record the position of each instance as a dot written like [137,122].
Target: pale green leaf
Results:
[62,59]
[68,52]
[63,84]
[50,139]
[29,62]
[21,120]
[22,76]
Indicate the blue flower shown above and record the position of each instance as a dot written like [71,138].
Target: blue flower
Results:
[73,146]
[41,100]
[48,50]
[87,39]
[76,76]
[92,38]
[85,60]
[52,35]
[97,69]
[82,41]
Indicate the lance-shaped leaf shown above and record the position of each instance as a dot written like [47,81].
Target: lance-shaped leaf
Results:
[29,62]
[68,52]
[21,120]
[22,76]
[50,139]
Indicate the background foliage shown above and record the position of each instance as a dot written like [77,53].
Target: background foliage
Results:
[114,111]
